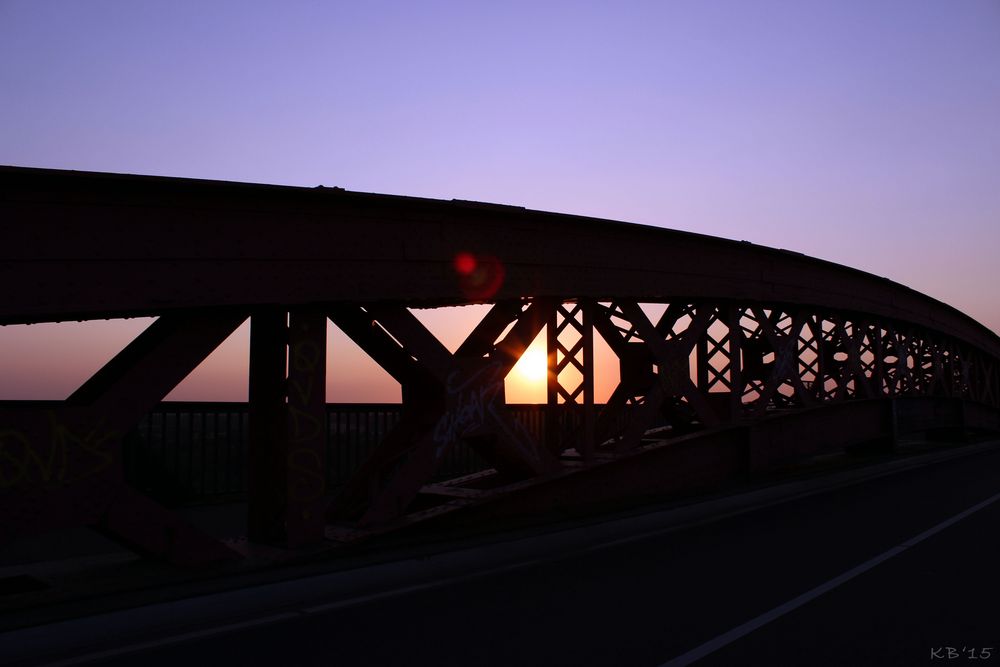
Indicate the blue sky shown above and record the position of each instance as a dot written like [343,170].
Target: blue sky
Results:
[861,132]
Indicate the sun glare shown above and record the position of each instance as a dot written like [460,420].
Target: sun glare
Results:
[532,366]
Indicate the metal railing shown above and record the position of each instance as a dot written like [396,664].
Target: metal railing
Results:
[188,453]
[195,452]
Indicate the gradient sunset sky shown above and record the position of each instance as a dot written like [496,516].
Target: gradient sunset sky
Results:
[866,133]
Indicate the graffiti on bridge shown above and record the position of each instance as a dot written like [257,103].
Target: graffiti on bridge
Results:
[306,428]
[65,454]
[475,401]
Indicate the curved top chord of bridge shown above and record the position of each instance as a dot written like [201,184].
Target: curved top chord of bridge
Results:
[760,358]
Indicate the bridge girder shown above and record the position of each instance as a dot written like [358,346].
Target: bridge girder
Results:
[748,336]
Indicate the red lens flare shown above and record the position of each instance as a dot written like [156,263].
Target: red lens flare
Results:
[479,276]
[465,263]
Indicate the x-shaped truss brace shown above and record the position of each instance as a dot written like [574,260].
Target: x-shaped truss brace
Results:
[670,356]
[786,358]
[62,467]
[467,402]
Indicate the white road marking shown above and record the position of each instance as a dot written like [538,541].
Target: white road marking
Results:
[167,641]
[740,631]
[278,618]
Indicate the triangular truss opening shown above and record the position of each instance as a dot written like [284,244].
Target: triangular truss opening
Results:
[354,377]
[222,376]
[49,360]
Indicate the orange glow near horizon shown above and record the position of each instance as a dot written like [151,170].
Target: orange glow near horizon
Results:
[49,361]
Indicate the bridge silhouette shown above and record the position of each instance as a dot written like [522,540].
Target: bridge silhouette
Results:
[761,358]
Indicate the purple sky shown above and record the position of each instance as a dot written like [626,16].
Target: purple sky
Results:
[862,132]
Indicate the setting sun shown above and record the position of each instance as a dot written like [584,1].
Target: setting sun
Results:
[532,365]
[526,383]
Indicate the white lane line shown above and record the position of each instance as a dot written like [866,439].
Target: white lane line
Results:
[159,643]
[739,631]
[298,613]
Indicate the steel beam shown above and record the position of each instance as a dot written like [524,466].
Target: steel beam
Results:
[266,478]
[174,249]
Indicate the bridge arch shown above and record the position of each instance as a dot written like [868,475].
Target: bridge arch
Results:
[760,355]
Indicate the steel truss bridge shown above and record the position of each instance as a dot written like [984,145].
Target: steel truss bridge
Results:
[760,357]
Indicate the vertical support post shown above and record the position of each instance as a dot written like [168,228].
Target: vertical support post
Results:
[578,404]
[951,368]
[993,378]
[701,361]
[287,444]
[305,455]
[963,421]
[877,349]
[266,484]
[587,437]
[737,387]
[553,415]
[893,424]
[822,369]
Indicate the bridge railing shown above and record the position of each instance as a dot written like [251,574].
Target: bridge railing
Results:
[195,452]
[189,453]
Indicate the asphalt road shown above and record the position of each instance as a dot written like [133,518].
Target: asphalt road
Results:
[647,602]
